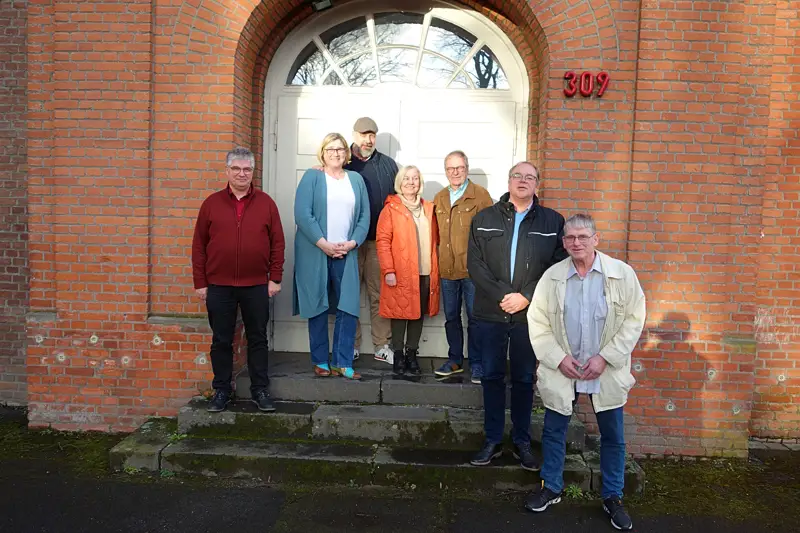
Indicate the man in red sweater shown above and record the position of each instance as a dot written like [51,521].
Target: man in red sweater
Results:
[237,261]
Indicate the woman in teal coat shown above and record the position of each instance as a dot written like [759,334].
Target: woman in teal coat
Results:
[331,210]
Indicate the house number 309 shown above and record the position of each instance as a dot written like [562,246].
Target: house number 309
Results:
[585,84]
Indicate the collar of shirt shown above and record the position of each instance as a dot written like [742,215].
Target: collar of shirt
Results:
[572,271]
[458,193]
[524,211]
[249,192]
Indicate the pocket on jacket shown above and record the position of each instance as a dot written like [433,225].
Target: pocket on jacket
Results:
[465,216]
[555,389]
[614,386]
[483,232]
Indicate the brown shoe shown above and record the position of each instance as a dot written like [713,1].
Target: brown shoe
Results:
[321,372]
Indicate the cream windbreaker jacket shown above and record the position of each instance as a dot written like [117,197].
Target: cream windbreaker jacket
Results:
[624,323]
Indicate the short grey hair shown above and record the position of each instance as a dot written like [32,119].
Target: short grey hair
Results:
[240,153]
[538,176]
[580,221]
[458,153]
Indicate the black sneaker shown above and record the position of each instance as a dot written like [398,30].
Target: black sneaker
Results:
[487,453]
[263,401]
[219,401]
[541,499]
[526,458]
[616,511]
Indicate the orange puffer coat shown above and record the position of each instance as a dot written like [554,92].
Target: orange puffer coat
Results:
[396,242]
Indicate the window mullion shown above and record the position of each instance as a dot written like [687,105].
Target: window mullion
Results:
[426,23]
[373,41]
[472,51]
[330,59]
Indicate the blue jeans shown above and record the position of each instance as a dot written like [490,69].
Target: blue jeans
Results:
[454,291]
[496,338]
[612,451]
[344,330]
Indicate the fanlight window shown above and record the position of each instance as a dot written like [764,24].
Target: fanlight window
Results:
[398,48]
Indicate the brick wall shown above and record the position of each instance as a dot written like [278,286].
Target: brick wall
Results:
[776,408]
[686,161]
[13,202]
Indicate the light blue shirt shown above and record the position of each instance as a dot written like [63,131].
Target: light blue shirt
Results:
[585,312]
[458,193]
[518,217]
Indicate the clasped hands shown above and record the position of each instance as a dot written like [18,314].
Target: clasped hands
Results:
[571,368]
[336,250]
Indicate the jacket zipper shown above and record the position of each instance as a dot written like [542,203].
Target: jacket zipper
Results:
[238,241]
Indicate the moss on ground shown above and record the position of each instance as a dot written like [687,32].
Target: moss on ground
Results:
[83,453]
[737,490]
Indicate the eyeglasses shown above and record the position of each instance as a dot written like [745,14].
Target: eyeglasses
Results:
[524,177]
[453,170]
[583,239]
[237,170]
[331,151]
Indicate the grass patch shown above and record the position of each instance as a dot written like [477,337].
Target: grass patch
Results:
[736,490]
[82,452]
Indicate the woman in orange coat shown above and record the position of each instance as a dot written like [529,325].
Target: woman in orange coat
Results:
[406,241]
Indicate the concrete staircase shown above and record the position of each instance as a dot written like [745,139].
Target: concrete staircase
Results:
[382,430]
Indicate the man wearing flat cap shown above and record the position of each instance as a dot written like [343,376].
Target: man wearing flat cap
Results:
[378,171]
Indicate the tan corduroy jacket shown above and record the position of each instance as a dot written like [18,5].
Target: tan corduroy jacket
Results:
[454,224]
[624,323]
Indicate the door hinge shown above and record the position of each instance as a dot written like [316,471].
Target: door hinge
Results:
[275,137]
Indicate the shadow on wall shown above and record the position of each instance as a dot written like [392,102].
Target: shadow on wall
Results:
[387,139]
[689,370]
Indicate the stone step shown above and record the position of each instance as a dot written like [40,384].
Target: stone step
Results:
[292,378]
[157,447]
[444,428]
[353,464]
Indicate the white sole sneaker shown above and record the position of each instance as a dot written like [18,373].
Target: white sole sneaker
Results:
[554,501]
[384,355]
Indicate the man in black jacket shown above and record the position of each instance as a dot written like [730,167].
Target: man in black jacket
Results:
[378,171]
[511,245]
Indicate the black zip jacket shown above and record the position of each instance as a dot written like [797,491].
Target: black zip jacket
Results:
[539,246]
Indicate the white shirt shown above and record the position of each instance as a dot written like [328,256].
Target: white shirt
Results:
[341,206]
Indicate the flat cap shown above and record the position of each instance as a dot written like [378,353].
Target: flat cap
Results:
[365,124]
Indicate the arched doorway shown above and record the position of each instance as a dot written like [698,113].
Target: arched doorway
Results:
[433,76]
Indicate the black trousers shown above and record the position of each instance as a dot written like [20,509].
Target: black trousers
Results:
[222,302]
[406,333]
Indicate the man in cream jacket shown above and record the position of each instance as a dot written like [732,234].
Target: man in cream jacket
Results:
[584,320]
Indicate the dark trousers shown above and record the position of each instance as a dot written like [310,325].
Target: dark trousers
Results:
[497,340]
[406,333]
[222,302]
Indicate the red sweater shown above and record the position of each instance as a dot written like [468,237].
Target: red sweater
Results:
[241,251]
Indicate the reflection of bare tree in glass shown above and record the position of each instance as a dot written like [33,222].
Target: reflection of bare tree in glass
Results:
[310,71]
[360,70]
[486,69]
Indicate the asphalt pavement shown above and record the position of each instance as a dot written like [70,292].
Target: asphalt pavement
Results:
[39,497]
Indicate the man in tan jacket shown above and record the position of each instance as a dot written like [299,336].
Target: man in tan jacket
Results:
[584,320]
[455,206]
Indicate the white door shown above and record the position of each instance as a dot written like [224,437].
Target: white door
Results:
[433,83]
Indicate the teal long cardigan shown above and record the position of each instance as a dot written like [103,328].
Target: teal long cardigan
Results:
[310,291]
